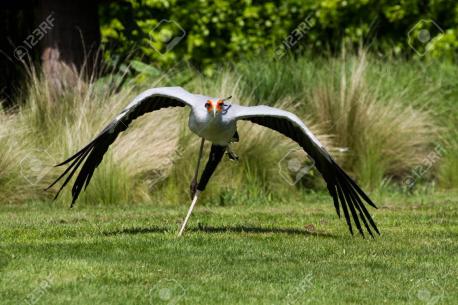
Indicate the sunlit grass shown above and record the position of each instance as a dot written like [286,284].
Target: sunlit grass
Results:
[295,252]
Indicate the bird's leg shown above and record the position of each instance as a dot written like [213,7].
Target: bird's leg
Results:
[193,186]
[193,203]
[231,154]
[216,154]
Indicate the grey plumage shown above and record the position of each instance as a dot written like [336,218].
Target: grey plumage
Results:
[220,128]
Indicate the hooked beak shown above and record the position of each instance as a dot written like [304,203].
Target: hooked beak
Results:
[227,98]
[214,111]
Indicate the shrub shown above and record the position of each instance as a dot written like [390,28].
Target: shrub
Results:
[223,30]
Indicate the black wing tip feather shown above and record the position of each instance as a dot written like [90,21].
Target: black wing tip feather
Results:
[78,158]
[332,191]
[341,187]
[93,152]
[346,192]
[73,203]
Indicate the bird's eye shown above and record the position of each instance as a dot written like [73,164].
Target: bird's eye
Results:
[207,105]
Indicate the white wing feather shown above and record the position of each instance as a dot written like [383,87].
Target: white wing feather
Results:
[90,156]
[244,112]
[176,93]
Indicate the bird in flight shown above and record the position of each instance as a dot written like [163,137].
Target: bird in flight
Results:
[215,120]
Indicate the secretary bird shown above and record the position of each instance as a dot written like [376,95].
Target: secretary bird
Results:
[215,120]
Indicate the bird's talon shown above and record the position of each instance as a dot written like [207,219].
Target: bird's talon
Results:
[193,188]
[232,156]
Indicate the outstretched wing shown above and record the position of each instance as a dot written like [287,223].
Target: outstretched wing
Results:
[148,101]
[342,188]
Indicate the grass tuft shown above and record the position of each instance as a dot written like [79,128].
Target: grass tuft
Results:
[381,137]
[380,131]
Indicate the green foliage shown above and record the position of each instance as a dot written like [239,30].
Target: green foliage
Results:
[215,31]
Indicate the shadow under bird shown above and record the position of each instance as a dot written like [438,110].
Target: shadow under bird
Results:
[215,120]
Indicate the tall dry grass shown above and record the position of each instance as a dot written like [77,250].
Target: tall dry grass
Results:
[12,152]
[382,137]
[54,122]
[374,133]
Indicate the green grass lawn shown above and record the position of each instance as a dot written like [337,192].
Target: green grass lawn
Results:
[295,253]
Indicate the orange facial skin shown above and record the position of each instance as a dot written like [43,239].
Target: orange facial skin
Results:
[209,106]
[219,107]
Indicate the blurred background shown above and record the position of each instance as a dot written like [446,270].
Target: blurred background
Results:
[375,80]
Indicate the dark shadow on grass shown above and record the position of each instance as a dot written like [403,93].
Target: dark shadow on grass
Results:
[137,230]
[223,229]
[259,230]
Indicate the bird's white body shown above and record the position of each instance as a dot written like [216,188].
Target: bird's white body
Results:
[217,129]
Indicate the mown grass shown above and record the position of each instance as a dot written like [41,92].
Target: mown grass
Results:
[297,252]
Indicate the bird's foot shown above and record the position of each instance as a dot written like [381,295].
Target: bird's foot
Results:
[230,153]
[193,188]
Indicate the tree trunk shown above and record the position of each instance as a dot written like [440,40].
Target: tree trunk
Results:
[71,37]
[15,24]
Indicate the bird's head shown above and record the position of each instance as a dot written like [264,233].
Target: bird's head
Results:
[216,107]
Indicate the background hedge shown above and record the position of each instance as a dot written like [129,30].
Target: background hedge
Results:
[222,30]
